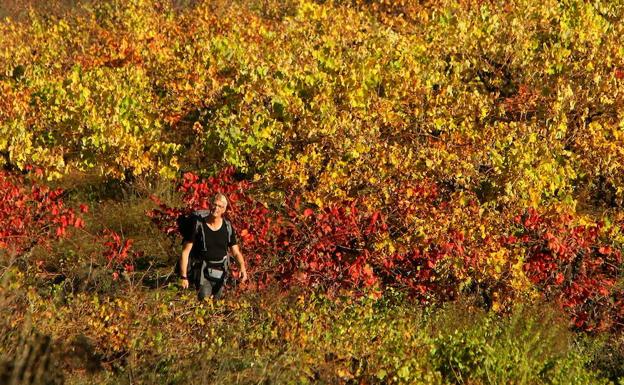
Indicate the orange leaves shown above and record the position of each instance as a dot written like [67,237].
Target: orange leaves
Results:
[60,231]
[373,221]
[605,250]
[109,49]
[79,222]
[523,102]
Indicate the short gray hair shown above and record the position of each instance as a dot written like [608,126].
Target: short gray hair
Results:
[221,197]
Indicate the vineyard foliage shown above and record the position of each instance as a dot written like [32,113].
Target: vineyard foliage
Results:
[519,104]
[439,149]
[379,143]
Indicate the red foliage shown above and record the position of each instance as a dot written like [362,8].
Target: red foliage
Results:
[329,247]
[417,271]
[335,247]
[31,214]
[572,264]
[119,253]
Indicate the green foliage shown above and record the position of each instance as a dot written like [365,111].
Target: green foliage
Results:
[530,346]
[166,335]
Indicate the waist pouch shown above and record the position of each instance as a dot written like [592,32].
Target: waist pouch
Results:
[200,269]
[215,274]
[216,270]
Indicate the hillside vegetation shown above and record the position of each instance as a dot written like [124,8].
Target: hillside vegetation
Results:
[425,192]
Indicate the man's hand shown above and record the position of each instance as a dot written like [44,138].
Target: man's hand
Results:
[241,263]
[184,283]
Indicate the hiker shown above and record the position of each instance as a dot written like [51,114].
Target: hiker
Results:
[204,259]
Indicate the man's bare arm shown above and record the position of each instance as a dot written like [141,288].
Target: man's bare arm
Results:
[241,262]
[184,258]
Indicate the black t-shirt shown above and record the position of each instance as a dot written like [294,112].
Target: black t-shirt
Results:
[216,243]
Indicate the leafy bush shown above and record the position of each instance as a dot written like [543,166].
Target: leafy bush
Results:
[306,338]
[31,214]
[532,345]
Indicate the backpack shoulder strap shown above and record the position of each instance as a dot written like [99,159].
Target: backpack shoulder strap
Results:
[228,226]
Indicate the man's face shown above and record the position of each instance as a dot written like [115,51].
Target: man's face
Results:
[218,207]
